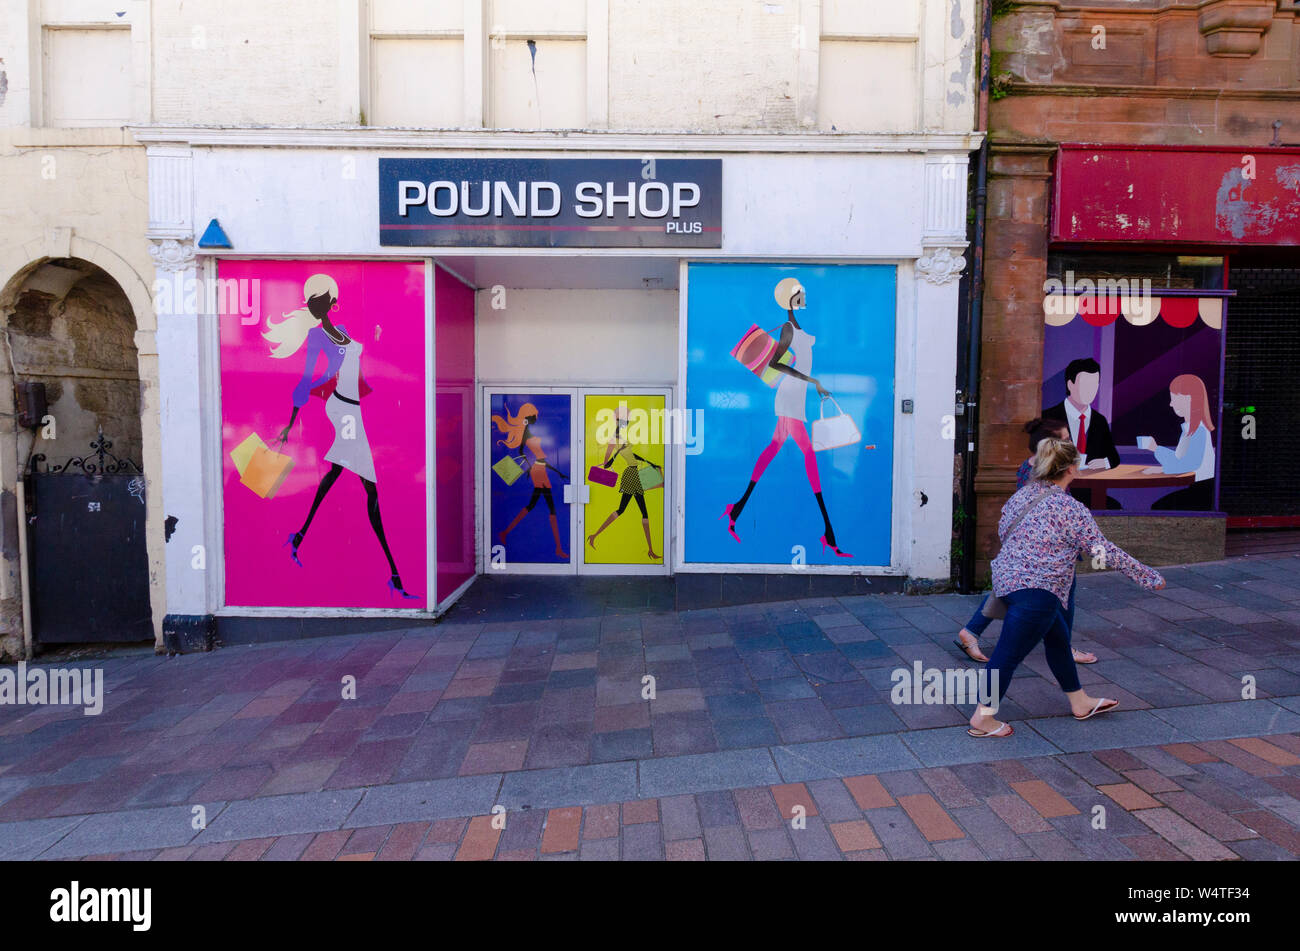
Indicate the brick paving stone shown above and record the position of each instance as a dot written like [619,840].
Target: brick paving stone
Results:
[1250,763]
[900,837]
[1266,751]
[717,809]
[288,848]
[726,844]
[814,842]
[599,850]
[791,795]
[685,850]
[403,842]
[959,850]
[679,818]
[1046,800]
[1148,780]
[834,803]
[1276,830]
[641,843]
[213,853]
[1018,814]
[502,757]
[249,850]
[601,822]
[1176,830]
[981,780]
[1052,846]
[1162,762]
[854,836]
[950,790]
[1284,740]
[480,842]
[1129,797]
[1059,777]
[935,823]
[757,809]
[904,782]
[1119,760]
[1152,848]
[369,839]
[994,836]
[325,846]
[562,830]
[770,844]
[641,810]
[446,831]
[868,792]
[1215,822]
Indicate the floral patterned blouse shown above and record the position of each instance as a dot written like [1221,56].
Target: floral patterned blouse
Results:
[1041,552]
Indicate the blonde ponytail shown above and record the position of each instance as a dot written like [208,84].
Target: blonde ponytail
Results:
[1053,458]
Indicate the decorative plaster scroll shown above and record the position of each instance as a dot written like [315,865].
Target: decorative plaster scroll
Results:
[940,266]
[172,255]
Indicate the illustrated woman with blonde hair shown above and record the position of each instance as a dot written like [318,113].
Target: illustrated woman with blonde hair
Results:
[341,387]
[791,417]
[518,433]
[629,484]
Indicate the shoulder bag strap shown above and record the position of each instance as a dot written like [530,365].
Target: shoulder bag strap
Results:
[1021,517]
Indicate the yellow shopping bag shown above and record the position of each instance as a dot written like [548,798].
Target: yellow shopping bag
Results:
[242,453]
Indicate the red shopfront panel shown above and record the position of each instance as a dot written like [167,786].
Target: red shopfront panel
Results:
[1177,196]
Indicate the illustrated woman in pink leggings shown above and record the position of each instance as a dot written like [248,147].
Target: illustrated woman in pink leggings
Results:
[791,419]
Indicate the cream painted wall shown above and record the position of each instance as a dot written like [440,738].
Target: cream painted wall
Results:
[566,338]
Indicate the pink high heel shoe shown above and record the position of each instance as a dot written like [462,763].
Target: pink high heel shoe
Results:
[842,554]
[731,522]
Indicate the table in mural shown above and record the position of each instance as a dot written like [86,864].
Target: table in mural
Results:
[1126,476]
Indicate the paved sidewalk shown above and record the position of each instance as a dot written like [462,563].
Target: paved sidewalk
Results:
[758,709]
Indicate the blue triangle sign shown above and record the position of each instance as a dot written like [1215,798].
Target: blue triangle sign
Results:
[214,236]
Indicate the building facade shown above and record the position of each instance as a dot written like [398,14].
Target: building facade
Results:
[1142,273]
[487,286]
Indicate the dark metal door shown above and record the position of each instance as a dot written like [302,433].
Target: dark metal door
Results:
[88,571]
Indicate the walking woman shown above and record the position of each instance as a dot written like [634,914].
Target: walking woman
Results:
[629,484]
[1043,530]
[518,433]
[791,416]
[968,636]
[341,387]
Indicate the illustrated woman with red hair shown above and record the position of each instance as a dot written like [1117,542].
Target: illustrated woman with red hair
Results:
[791,418]
[1195,450]
[518,433]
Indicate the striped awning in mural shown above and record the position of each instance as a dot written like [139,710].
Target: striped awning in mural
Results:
[1101,310]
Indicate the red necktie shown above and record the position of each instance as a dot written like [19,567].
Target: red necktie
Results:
[1082,444]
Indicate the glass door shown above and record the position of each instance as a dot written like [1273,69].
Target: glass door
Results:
[529,449]
[624,454]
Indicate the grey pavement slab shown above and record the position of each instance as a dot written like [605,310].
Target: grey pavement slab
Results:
[571,786]
[1118,730]
[951,745]
[1222,721]
[424,801]
[1291,703]
[831,759]
[705,772]
[282,815]
[24,840]
[132,831]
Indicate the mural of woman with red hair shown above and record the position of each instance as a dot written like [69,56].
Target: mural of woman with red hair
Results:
[1195,450]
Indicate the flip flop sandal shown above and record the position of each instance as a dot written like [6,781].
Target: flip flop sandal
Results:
[993,733]
[1102,706]
[1078,661]
[967,650]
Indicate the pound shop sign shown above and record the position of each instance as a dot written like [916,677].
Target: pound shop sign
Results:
[551,203]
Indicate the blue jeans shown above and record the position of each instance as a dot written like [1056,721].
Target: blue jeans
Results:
[978,622]
[1034,615]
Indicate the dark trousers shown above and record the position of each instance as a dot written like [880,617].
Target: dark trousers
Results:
[1034,615]
[979,622]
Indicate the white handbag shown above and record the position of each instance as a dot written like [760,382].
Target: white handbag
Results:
[837,431]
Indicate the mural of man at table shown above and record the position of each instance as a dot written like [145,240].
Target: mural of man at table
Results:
[1116,365]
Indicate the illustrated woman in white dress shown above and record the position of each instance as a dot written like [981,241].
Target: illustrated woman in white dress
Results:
[791,418]
[341,387]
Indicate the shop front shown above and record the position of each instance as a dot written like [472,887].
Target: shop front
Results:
[1167,268]
[413,365]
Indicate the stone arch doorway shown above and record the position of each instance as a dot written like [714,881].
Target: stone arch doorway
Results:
[68,326]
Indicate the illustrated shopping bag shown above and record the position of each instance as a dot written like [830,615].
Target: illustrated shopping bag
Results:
[509,469]
[755,350]
[835,431]
[266,471]
[599,475]
[242,453]
[651,478]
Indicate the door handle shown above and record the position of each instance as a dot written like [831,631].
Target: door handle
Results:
[586,493]
[568,493]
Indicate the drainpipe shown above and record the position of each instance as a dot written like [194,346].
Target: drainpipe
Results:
[975,304]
